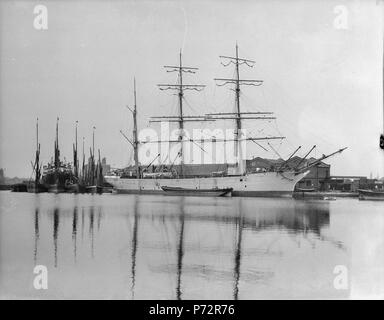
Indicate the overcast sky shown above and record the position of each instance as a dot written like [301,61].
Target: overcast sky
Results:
[322,77]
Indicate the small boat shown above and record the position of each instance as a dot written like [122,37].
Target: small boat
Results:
[94,189]
[75,188]
[19,187]
[215,192]
[329,198]
[366,194]
[304,190]
[55,188]
[56,173]
[36,188]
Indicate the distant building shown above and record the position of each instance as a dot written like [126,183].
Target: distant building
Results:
[106,167]
[2,178]
[318,177]
[353,183]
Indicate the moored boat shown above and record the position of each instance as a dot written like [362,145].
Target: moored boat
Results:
[36,188]
[75,187]
[366,194]
[19,187]
[57,173]
[94,189]
[214,192]
[55,188]
[305,190]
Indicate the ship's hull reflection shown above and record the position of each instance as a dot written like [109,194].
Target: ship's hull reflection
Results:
[179,247]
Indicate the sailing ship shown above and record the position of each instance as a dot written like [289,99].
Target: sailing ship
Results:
[82,178]
[280,182]
[74,186]
[57,174]
[35,186]
[93,178]
[97,177]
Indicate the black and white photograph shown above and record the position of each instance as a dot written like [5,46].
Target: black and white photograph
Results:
[192,150]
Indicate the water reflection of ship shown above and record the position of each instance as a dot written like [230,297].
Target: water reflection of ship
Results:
[56,224]
[180,249]
[75,227]
[134,244]
[239,237]
[74,231]
[297,218]
[91,230]
[180,246]
[37,234]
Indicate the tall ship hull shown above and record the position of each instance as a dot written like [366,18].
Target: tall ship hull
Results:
[252,185]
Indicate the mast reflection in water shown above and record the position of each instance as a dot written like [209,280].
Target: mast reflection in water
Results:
[56,221]
[74,231]
[184,248]
[134,243]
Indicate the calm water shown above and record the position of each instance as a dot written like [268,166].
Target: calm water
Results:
[161,247]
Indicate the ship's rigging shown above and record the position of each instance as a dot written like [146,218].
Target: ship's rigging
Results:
[238,116]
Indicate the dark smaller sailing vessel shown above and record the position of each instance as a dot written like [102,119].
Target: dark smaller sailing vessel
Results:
[93,177]
[76,185]
[35,185]
[97,177]
[57,174]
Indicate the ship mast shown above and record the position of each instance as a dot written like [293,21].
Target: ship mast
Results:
[75,158]
[382,135]
[180,88]
[181,120]
[37,158]
[93,156]
[238,121]
[135,140]
[83,167]
[77,161]
[239,115]
[57,151]
[93,141]
[37,133]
